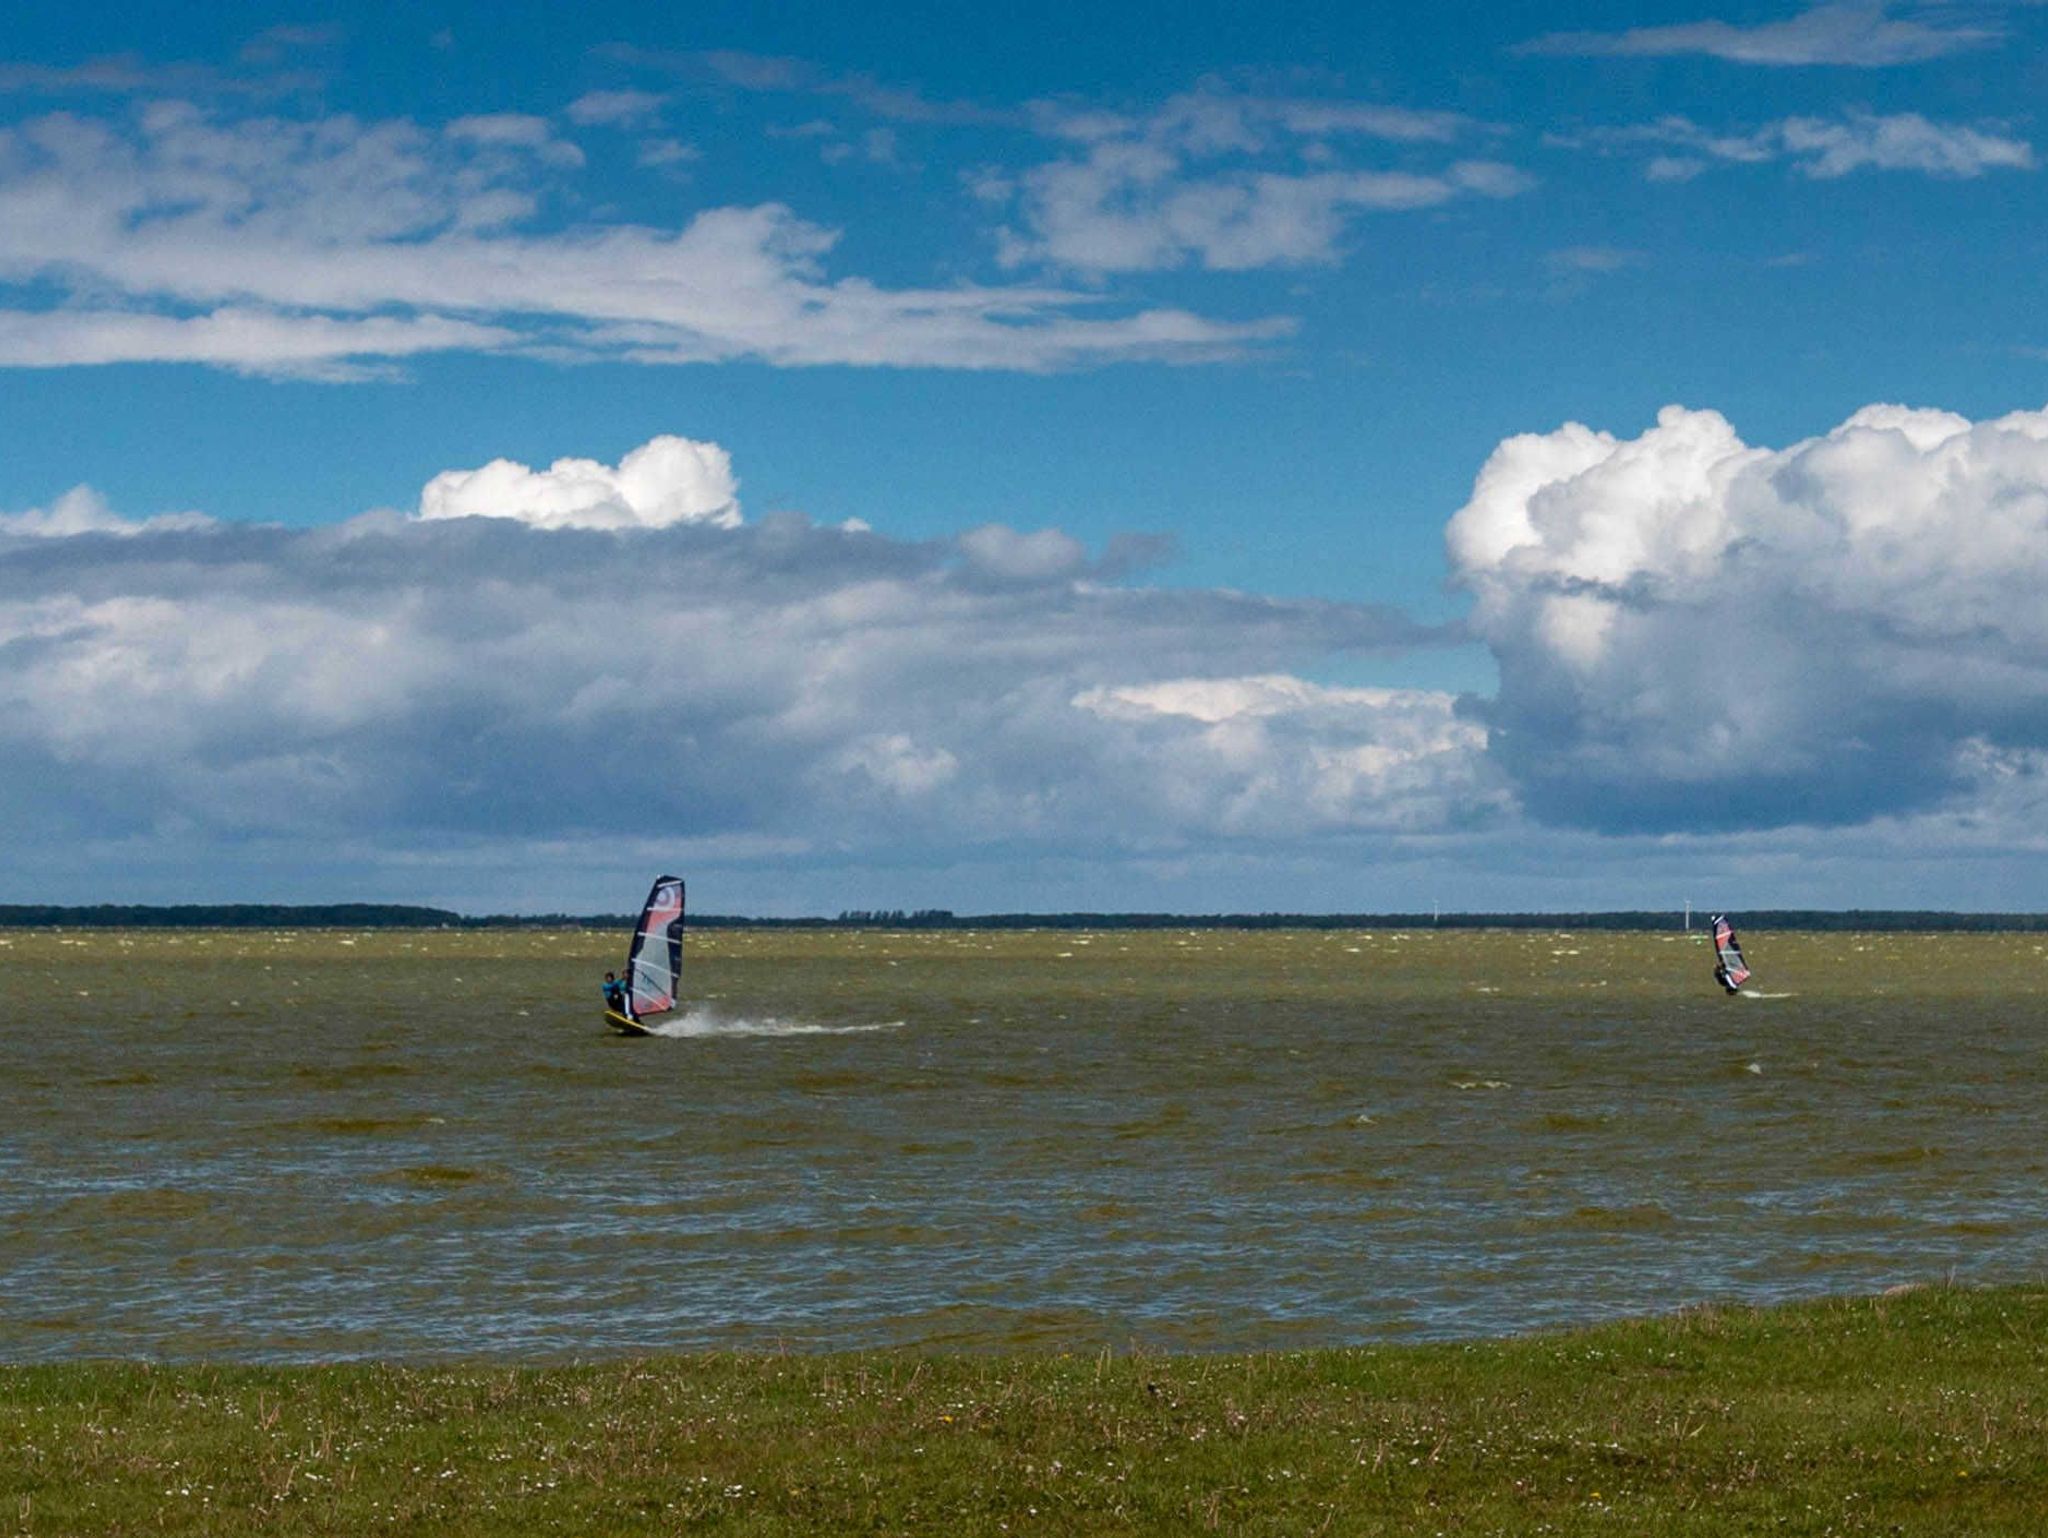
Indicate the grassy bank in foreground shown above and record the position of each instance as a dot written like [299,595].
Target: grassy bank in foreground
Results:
[1921,1413]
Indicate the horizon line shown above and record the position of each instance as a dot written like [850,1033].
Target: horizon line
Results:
[420,916]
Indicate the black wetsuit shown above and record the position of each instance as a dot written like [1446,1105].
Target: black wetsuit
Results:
[615,999]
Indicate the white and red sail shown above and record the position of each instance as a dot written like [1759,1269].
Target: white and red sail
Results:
[654,966]
[1732,970]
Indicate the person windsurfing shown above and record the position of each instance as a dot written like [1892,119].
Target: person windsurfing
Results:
[1730,970]
[654,963]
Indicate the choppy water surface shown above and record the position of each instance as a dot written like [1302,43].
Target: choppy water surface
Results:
[310,1144]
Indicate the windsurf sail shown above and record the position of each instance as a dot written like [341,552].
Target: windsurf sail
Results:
[1731,969]
[654,966]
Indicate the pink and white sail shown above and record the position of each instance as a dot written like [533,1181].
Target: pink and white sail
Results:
[654,966]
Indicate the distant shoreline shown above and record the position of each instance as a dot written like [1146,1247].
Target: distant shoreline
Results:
[402,916]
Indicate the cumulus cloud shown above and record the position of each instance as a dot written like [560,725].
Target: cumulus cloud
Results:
[1822,148]
[1861,33]
[280,245]
[1693,632]
[522,683]
[1225,180]
[666,481]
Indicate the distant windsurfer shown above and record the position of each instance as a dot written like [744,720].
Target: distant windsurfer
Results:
[1730,970]
[615,998]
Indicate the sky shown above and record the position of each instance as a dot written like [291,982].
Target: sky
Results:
[1304,457]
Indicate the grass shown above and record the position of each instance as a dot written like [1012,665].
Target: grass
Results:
[1925,1412]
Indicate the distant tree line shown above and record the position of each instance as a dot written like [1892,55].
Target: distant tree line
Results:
[228,916]
[1822,919]
[402,916]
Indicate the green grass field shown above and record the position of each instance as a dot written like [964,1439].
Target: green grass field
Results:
[1925,1412]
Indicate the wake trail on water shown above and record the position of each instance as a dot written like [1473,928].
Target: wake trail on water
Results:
[701,1023]
[1748,994]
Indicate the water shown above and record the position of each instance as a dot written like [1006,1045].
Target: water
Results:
[309,1144]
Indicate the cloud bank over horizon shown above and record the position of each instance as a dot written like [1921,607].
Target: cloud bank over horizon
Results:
[611,659]
[1698,640]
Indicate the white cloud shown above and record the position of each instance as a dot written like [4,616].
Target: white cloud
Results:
[896,764]
[666,481]
[386,238]
[1149,193]
[624,109]
[656,154]
[252,341]
[1002,553]
[1694,632]
[1489,178]
[1673,168]
[274,44]
[1584,259]
[1269,754]
[81,510]
[1905,142]
[783,74]
[516,131]
[1214,119]
[877,146]
[126,74]
[1822,148]
[1860,33]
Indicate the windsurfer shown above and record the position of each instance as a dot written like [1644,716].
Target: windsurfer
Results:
[654,963]
[1730,970]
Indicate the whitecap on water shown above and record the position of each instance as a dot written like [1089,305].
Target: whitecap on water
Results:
[704,1022]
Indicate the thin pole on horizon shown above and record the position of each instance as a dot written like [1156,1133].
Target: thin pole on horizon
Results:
[1688,915]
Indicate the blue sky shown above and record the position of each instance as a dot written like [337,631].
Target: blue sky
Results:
[1069,413]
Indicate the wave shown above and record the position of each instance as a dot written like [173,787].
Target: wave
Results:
[700,1022]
